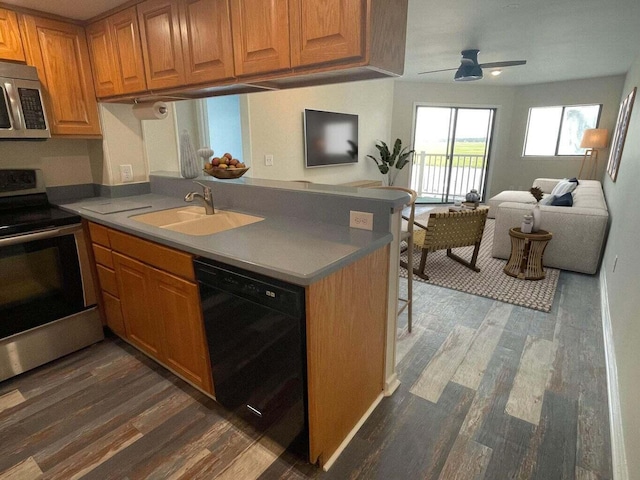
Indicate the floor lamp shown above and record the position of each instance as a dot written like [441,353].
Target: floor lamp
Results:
[593,140]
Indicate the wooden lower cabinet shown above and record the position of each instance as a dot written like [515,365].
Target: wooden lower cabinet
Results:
[155,310]
[346,328]
[176,304]
[134,284]
[113,312]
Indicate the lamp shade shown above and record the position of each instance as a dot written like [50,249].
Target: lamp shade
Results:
[595,138]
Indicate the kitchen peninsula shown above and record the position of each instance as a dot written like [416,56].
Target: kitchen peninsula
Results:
[304,239]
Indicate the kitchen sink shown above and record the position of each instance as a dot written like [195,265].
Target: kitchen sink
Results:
[194,220]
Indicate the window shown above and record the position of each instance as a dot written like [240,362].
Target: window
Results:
[225,129]
[558,130]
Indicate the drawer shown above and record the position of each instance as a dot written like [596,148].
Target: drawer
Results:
[99,234]
[113,312]
[108,281]
[102,256]
[165,258]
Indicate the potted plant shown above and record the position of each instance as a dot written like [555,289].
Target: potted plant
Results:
[391,162]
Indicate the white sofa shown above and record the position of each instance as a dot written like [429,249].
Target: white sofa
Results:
[578,231]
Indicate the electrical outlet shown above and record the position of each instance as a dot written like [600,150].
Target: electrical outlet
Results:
[268,160]
[126,173]
[363,220]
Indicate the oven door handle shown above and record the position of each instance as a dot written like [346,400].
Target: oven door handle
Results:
[39,235]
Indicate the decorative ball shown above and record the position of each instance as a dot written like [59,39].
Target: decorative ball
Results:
[205,153]
[473,196]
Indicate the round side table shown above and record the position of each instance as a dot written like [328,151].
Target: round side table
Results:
[525,261]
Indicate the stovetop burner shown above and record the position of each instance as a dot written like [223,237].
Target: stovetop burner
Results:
[24,206]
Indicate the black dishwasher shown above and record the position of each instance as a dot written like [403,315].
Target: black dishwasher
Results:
[255,327]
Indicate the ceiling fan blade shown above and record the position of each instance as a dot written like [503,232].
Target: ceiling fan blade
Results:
[436,71]
[511,63]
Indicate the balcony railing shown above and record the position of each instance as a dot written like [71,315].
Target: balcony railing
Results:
[431,173]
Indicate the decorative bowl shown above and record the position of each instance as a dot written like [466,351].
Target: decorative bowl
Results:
[226,173]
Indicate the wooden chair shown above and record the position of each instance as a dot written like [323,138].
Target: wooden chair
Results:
[447,230]
[406,235]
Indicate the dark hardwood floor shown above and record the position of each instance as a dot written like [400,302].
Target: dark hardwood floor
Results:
[489,391]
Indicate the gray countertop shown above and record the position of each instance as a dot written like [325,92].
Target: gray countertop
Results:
[289,249]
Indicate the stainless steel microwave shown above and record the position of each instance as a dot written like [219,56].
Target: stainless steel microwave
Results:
[22,112]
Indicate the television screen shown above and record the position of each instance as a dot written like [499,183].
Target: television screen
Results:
[330,138]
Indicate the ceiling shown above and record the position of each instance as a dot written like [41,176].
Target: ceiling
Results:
[560,39]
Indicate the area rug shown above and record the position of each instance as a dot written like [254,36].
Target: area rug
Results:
[491,281]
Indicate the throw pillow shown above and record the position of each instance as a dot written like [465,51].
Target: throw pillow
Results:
[546,200]
[563,186]
[565,200]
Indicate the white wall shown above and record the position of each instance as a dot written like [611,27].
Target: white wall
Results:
[276,128]
[63,162]
[146,145]
[515,172]
[622,285]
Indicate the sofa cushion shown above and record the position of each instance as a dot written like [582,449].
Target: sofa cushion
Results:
[563,186]
[565,200]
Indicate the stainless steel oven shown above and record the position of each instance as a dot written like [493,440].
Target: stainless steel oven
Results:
[47,296]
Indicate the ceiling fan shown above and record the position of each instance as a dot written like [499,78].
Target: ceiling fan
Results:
[470,69]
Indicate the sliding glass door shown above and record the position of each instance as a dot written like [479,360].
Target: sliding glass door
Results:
[452,147]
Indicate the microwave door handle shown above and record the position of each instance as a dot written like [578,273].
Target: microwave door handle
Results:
[14,104]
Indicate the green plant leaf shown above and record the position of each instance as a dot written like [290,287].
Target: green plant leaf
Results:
[404,158]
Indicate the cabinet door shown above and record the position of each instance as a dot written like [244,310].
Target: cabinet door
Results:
[116,54]
[10,42]
[177,303]
[127,50]
[59,51]
[161,43]
[113,312]
[206,40]
[324,31]
[260,35]
[134,284]
[105,75]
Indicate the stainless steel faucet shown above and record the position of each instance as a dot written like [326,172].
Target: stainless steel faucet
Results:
[206,196]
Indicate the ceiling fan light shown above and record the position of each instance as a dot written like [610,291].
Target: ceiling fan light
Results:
[467,73]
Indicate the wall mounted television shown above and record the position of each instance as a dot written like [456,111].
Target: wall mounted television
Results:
[330,138]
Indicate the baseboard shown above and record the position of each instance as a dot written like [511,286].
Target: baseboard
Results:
[618,454]
[327,465]
[391,384]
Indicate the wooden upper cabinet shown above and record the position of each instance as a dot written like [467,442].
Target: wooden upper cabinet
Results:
[260,35]
[105,77]
[325,31]
[10,42]
[59,52]
[161,43]
[206,40]
[127,49]
[116,54]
